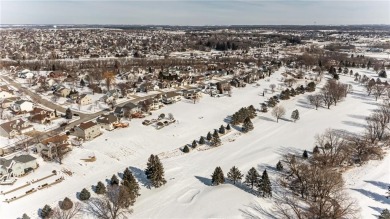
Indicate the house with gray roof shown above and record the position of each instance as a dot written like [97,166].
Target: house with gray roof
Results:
[17,166]
[107,121]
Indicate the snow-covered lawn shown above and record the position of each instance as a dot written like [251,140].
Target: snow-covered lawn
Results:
[188,192]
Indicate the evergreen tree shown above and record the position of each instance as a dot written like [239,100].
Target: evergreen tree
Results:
[248,125]
[46,212]
[228,127]
[100,188]
[201,140]
[132,186]
[215,134]
[234,175]
[264,186]
[155,171]
[305,155]
[209,136]
[316,150]
[217,177]
[336,77]
[251,111]
[279,166]
[295,115]
[68,114]
[264,108]
[385,214]
[84,195]
[311,87]
[127,175]
[55,113]
[382,73]
[66,204]
[114,180]
[194,144]
[252,177]
[186,149]
[222,129]
[25,216]
[82,83]
[215,141]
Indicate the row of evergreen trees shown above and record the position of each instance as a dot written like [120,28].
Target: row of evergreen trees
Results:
[213,139]
[252,179]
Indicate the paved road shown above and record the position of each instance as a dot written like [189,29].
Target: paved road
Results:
[84,117]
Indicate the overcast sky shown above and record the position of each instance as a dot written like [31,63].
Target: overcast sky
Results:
[195,12]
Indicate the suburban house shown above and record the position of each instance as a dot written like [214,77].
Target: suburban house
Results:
[251,77]
[16,127]
[87,130]
[107,121]
[6,103]
[84,99]
[50,146]
[110,96]
[25,74]
[5,92]
[39,115]
[236,82]
[223,86]
[171,97]
[22,106]
[17,166]
[126,110]
[190,94]
[62,92]
[150,104]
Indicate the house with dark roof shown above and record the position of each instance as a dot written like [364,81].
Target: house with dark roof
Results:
[39,115]
[49,147]
[171,97]
[107,121]
[15,127]
[87,130]
[17,166]
[126,110]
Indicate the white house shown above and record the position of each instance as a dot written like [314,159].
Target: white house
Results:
[17,166]
[22,106]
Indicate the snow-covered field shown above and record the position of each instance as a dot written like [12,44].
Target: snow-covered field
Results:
[188,192]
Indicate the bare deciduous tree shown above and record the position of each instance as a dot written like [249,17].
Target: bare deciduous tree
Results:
[74,212]
[278,112]
[333,148]
[378,90]
[369,86]
[114,204]
[315,100]
[272,86]
[376,126]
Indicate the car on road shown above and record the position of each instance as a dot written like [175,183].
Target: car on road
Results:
[75,114]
